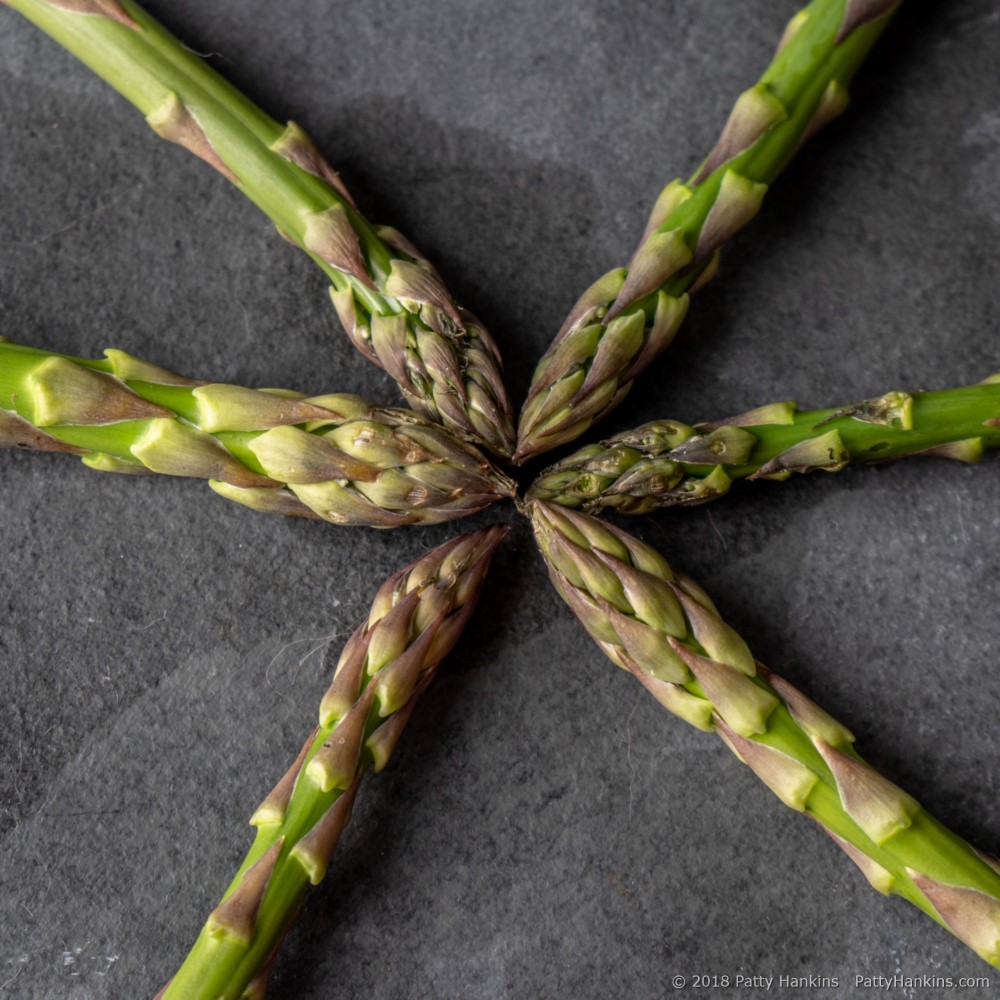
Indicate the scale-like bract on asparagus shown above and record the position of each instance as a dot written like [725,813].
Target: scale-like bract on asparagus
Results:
[630,315]
[415,619]
[391,300]
[666,463]
[664,629]
[335,457]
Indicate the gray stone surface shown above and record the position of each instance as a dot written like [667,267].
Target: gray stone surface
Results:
[545,830]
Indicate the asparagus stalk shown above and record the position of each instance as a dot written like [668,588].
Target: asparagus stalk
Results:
[666,463]
[335,457]
[391,300]
[415,619]
[665,630]
[630,315]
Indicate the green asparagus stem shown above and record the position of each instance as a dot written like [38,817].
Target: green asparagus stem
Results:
[391,300]
[629,316]
[416,618]
[666,463]
[664,629]
[335,457]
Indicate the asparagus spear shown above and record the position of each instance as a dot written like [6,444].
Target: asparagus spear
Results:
[415,619]
[391,300]
[666,463]
[335,457]
[630,315]
[665,630]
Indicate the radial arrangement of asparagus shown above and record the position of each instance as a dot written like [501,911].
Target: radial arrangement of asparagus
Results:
[665,630]
[335,457]
[630,315]
[391,300]
[415,619]
[666,463]
[345,460]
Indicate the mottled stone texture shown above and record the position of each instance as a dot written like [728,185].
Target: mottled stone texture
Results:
[545,829]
